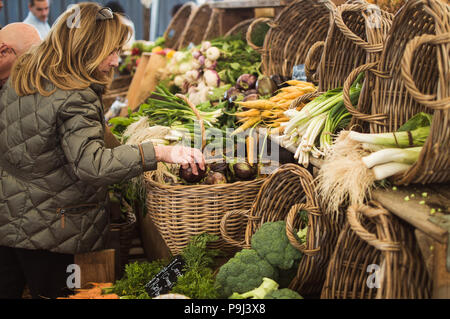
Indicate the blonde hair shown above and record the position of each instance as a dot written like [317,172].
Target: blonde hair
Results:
[71,53]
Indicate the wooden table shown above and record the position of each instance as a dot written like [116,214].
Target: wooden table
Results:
[427,209]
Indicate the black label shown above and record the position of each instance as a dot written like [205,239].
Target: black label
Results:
[164,281]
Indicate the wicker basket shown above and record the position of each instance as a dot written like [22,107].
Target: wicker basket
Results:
[180,212]
[197,27]
[240,28]
[411,77]
[127,231]
[375,240]
[213,28]
[287,191]
[356,37]
[296,28]
[178,24]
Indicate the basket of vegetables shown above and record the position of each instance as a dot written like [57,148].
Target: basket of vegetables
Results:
[412,80]
[356,37]
[204,22]
[181,19]
[301,24]
[287,198]
[182,205]
[376,257]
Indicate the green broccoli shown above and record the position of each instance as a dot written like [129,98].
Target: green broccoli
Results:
[266,287]
[272,243]
[284,293]
[243,272]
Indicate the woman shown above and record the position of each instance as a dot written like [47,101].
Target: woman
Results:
[54,165]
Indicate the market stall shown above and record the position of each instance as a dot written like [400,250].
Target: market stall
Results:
[327,154]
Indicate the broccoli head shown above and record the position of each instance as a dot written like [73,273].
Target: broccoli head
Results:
[284,293]
[243,272]
[271,242]
[267,286]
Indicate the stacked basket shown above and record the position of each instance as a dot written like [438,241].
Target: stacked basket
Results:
[203,25]
[376,257]
[289,190]
[177,25]
[412,76]
[296,28]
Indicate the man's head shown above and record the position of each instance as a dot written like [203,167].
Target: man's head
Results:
[1,5]
[40,9]
[15,40]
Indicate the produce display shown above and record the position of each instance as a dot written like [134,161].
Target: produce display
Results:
[218,87]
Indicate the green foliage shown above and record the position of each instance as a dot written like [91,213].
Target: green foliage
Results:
[198,280]
[137,275]
[272,243]
[284,293]
[197,284]
[243,272]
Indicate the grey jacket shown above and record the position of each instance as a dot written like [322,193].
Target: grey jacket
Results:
[55,169]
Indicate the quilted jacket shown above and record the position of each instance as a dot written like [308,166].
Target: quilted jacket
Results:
[55,169]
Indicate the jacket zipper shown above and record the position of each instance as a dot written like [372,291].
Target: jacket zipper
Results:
[62,212]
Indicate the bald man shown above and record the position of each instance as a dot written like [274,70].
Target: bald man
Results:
[15,40]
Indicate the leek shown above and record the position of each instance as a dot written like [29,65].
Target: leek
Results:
[399,155]
[403,139]
[389,169]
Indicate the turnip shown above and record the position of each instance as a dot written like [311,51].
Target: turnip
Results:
[212,78]
[205,46]
[213,53]
[210,64]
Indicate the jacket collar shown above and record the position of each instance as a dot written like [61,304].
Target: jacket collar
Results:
[98,88]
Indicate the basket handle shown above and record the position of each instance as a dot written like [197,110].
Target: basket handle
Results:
[224,230]
[427,100]
[339,21]
[353,214]
[304,99]
[197,114]
[310,69]
[290,232]
[373,118]
[252,25]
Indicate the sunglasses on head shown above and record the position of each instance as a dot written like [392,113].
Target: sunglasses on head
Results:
[105,14]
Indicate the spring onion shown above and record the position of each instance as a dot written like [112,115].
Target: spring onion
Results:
[403,139]
[399,155]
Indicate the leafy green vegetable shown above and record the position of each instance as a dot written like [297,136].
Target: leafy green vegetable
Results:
[198,281]
[419,120]
[243,272]
[268,285]
[271,242]
[284,293]
[137,275]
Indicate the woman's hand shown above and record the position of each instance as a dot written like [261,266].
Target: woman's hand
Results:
[185,156]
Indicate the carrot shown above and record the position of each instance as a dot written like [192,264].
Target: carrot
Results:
[248,124]
[250,148]
[249,113]
[258,104]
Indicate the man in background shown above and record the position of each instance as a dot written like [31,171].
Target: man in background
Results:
[15,39]
[38,16]
[1,6]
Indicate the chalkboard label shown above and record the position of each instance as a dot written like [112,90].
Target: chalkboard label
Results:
[164,281]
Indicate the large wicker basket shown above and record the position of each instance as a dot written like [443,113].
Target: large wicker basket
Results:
[376,257]
[412,76]
[356,37]
[283,195]
[197,28]
[181,211]
[179,22]
[296,28]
